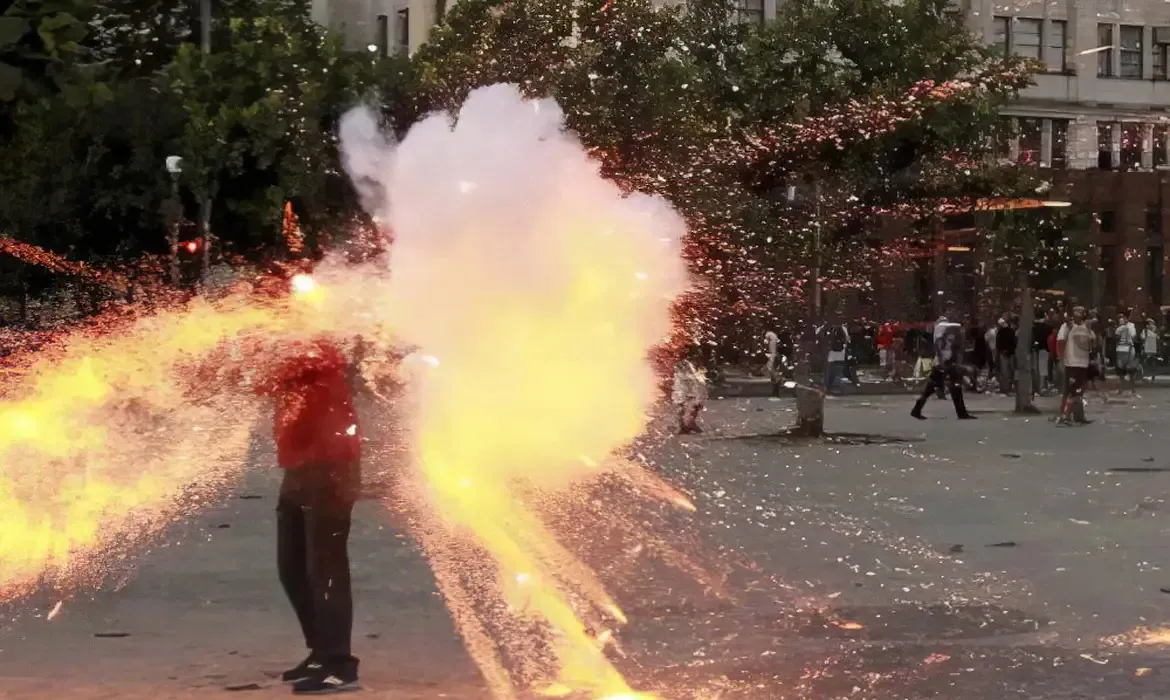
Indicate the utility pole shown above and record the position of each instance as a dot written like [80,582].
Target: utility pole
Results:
[205,25]
[205,198]
[174,166]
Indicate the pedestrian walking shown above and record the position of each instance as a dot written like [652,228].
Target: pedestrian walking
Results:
[319,448]
[946,371]
[689,395]
[1078,345]
[772,353]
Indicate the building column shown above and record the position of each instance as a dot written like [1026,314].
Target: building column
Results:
[1046,143]
[770,9]
[1147,145]
[1115,144]
[1082,144]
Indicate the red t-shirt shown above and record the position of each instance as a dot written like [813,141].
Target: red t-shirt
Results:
[315,421]
[885,336]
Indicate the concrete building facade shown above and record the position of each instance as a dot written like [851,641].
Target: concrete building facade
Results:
[404,25]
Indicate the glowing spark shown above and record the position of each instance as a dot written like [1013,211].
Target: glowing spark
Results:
[351,430]
[303,284]
[56,609]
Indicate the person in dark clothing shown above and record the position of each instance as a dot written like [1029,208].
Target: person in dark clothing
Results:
[1005,350]
[319,448]
[1040,332]
[946,371]
[980,352]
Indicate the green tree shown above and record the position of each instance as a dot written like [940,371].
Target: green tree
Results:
[260,118]
[41,52]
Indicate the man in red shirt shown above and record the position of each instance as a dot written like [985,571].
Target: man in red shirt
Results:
[885,348]
[319,448]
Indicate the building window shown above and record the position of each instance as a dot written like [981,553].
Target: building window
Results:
[1000,40]
[1161,54]
[1108,221]
[1059,143]
[1025,37]
[1155,268]
[1153,221]
[1131,51]
[382,41]
[1105,50]
[751,11]
[1056,59]
[1161,142]
[440,10]
[1004,136]
[1030,130]
[402,35]
[1131,146]
[1105,145]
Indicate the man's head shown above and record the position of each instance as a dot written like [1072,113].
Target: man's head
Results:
[1078,314]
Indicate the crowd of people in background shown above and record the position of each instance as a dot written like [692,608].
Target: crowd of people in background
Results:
[982,357]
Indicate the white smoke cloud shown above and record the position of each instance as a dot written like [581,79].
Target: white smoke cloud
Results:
[520,268]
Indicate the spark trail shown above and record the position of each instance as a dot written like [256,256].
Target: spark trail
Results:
[536,289]
[116,432]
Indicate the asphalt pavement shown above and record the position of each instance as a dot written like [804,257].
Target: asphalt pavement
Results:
[896,559]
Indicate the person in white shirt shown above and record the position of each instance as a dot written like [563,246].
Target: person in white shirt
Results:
[1126,335]
[690,394]
[1077,349]
[772,351]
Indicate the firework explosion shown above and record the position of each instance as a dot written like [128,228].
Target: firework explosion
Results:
[535,289]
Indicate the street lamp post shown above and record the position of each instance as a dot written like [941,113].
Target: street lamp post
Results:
[174,168]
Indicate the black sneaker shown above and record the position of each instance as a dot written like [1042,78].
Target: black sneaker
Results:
[301,671]
[337,680]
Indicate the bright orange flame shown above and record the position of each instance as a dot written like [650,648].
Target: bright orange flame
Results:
[511,409]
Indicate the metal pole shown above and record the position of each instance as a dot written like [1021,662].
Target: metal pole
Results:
[205,201]
[173,239]
[817,290]
[205,25]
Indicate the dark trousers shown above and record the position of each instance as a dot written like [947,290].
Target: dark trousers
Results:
[312,554]
[943,378]
[1072,405]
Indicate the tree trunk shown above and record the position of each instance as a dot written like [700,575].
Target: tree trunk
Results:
[810,401]
[24,302]
[205,234]
[173,233]
[1024,348]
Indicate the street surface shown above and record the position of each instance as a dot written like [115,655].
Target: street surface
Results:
[997,558]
